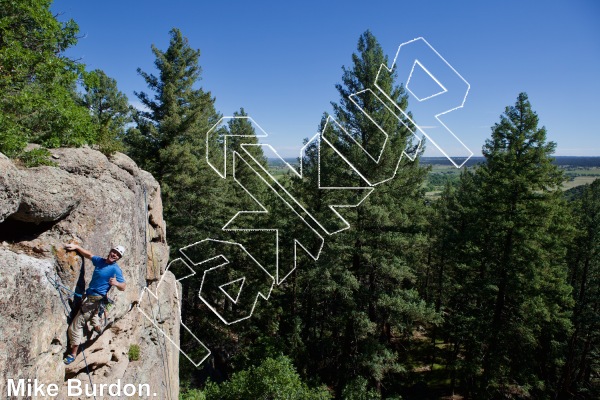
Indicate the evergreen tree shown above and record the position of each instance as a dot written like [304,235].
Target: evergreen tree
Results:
[169,141]
[581,368]
[359,299]
[240,132]
[511,302]
[458,284]
[177,113]
[109,109]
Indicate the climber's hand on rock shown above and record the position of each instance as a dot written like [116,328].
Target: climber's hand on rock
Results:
[71,246]
[74,247]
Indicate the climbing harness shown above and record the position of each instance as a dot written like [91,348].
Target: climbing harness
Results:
[63,292]
[67,294]
[105,305]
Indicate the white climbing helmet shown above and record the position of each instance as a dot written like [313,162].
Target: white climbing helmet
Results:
[119,249]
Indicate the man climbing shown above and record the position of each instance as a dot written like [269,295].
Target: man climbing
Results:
[107,273]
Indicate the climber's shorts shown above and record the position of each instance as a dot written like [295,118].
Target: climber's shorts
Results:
[87,312]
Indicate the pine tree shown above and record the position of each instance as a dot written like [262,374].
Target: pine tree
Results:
[169,141]
[172,141]
[581,369]
[511,304]
[177,113]
[109,109]
[360,297]
[459,285]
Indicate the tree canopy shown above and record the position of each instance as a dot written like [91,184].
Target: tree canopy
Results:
[39,98]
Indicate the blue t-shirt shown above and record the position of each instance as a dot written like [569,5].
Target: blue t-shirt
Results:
[102,273]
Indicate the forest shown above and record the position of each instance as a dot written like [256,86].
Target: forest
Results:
[489,289]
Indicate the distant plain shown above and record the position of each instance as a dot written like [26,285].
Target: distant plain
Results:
[578,170]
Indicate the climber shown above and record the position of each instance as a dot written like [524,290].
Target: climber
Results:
[107,273]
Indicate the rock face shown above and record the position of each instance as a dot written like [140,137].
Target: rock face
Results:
[10,193]
[96,202]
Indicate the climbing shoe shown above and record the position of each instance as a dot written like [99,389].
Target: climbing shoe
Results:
[69,359]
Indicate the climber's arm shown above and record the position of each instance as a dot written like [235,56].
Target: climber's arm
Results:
[119,285]
[73,247]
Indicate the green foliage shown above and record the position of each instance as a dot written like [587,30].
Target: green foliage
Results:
[514,273]
[358,390]
[437,180]
[134,352]
[38,100]
[36,157]
[191,394]
[355,305]
[12,141]
[504,232]
[177,113]
[109,109]
[273,379]
[169,141]
[574,193]
[581,370]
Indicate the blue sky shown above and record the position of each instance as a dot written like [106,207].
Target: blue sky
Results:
[280,60]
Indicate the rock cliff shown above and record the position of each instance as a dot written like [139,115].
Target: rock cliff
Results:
[97,202]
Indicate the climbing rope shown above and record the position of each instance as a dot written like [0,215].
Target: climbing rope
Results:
[87,369]
[164,356]
[63,292]
[160,347]
[70,294]
[162,351]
